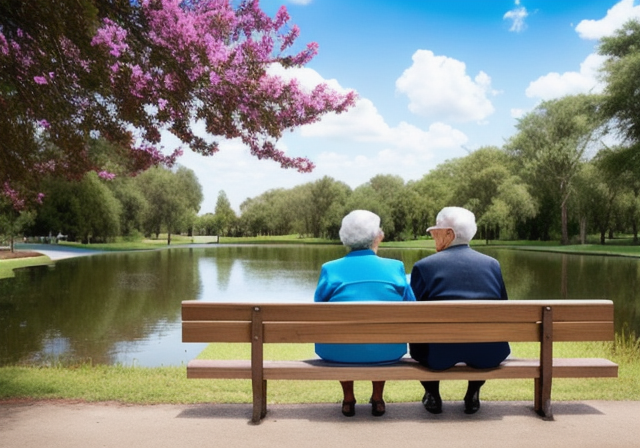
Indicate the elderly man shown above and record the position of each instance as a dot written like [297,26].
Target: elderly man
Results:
[457,272]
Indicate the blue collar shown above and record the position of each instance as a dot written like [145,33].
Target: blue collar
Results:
[360,253]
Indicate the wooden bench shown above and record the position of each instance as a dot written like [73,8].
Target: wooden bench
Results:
[542,321]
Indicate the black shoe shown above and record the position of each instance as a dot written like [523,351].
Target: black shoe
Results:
[432,403]
[472,403]
[378,407]
[349,408]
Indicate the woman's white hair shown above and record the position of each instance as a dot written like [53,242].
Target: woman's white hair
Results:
[359,229]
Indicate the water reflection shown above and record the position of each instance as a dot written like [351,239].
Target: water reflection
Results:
[125,307]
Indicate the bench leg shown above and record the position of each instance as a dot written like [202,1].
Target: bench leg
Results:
[542,401]
[259,401]
[263,411]
[543,384]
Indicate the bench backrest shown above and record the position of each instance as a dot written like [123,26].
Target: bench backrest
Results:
[389,322]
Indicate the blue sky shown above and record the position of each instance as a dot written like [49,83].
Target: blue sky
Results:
[435,78]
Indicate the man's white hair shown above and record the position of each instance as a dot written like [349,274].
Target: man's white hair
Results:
[359,229]
[460,220]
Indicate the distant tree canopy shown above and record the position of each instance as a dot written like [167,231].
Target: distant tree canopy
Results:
[621,100]
[95,210]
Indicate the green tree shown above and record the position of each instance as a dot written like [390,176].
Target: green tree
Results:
[224,216]
[13,222]
[394,195]
[132,202]
[85,209]
[479,175]
[511,205]
[324,206]
[173,197]
[595,201]
[434,191]
[551,144]
[620,100]
[206,225]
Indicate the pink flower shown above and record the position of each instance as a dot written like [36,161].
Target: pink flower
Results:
[40,80]
[106,175]
[4,45]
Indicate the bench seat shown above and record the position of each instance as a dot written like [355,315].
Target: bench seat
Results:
[405,369]
[540,321]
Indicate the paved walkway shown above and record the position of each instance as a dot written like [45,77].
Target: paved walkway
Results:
[56,252]
[588,424]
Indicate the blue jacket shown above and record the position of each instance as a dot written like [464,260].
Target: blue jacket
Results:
[458,272]
[362,276]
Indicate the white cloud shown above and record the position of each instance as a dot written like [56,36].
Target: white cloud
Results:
[307,77]
[439,87]
[517,113]
[363,123]
[616,17]
[351,147]
[556,85]
[517,15]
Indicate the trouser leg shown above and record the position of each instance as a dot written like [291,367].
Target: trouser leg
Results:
[378,390]
[347,391]
[473,387]
[433,387]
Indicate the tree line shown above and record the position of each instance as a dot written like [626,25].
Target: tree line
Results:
[511,198]
[554,179]
[93,210]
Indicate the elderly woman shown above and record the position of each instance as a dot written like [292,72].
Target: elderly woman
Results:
[362,276]
[457,272]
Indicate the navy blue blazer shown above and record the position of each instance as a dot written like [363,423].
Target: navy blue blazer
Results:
[458,272]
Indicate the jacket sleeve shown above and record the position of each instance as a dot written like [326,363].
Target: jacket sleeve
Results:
[408,295]
[323,290]
[418,285]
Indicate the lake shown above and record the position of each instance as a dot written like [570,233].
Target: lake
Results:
[124,307]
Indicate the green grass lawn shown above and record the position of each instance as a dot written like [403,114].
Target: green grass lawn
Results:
[141,385]
[7,266]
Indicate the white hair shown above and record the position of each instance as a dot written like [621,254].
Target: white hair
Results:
[460,220]
[359,229]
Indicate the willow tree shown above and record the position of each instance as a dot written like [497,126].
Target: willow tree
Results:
[552,143]
[621,96]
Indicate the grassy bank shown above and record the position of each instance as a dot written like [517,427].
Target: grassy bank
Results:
[618,247]
[7,266]
[169,384]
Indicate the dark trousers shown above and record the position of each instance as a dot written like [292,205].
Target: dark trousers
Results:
[433,387]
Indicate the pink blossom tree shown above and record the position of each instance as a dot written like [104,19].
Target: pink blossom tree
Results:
[126,70]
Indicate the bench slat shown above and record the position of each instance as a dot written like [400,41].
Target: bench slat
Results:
[351,332]
[195,331]
[446,311]
[406,369]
